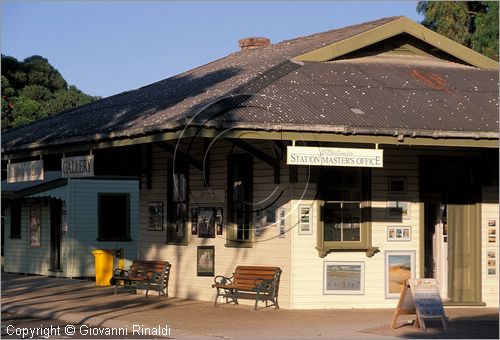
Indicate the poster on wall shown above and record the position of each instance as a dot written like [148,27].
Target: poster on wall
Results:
[194,221]
[205,261]
[258,221]
[35,224]
[270,216]
[344,278]
[399,267]
[492,262]
[206,222]
[218,220]
[398,210]
[305,225]
[155,216]
[398,233]
[492,231]
[282,222]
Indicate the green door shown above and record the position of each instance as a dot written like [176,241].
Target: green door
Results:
[464,251]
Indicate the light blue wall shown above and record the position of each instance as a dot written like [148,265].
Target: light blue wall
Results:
[80,239]
[82,234]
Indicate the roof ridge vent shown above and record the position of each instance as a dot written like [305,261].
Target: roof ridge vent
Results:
[253,42]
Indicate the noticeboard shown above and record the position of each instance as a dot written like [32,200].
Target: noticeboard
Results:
[422,298]
[427,298]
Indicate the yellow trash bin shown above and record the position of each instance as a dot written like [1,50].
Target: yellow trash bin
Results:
[104,259]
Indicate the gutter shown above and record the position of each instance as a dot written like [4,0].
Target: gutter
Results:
[133,135]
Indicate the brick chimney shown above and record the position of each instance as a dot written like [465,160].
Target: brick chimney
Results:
[253,42]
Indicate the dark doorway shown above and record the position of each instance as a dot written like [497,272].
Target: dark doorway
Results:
[55,234]
[450,190]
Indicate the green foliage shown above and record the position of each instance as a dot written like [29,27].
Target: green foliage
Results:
[485,39]
[473,24]
[33,89]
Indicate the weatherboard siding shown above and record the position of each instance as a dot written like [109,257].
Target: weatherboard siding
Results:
[82,234]
[20,256]
[308,267]
[268,249]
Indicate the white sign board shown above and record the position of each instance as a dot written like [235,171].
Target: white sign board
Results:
[320,156]
[421,297]
[427,298]
[81,166]
[25,171]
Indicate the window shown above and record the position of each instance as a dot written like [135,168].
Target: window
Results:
[15,219]
[240,198]
[114,217]
[345,212]
[177,205]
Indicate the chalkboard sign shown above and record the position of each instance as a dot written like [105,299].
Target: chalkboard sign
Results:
[422,298]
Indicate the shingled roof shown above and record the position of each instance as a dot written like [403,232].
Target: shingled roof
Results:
[265,88]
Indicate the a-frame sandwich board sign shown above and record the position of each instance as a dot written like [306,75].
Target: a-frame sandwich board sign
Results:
[421,297]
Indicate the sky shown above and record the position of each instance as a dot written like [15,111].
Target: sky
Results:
[107,47]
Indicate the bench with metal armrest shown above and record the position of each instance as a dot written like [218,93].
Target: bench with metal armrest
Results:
[144,274]
[253,282]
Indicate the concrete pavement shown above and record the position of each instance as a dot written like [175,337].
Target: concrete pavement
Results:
[80,301]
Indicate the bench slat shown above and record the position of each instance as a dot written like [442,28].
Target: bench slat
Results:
[256,272]
[256,268]
[253,276]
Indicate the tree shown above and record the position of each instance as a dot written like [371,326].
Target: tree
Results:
[33,89]
[473,24]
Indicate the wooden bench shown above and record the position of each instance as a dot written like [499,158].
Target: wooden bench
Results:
[259,283]
[147,275]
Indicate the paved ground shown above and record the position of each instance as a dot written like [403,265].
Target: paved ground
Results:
[81,302]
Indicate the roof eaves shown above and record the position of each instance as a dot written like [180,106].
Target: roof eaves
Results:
[349,130]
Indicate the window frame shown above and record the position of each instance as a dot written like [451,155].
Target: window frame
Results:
[246,162]
[365,242]
[18,212]
[181,168]
[127,236]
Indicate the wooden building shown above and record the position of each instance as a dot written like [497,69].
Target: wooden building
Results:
[352,159]
[55,224]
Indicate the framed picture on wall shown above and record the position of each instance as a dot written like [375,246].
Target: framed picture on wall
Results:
[398,210]
[344,278]
[397,185]
[218,220]
[399,266]
[205,260]
[270,216]
[282,223]
[194,221]
[399,233]
[206,222]
[155,220]
[35,223]
[305,220]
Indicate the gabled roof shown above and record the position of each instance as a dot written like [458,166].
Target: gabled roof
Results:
[168,105]
[375,96]
[395,27]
